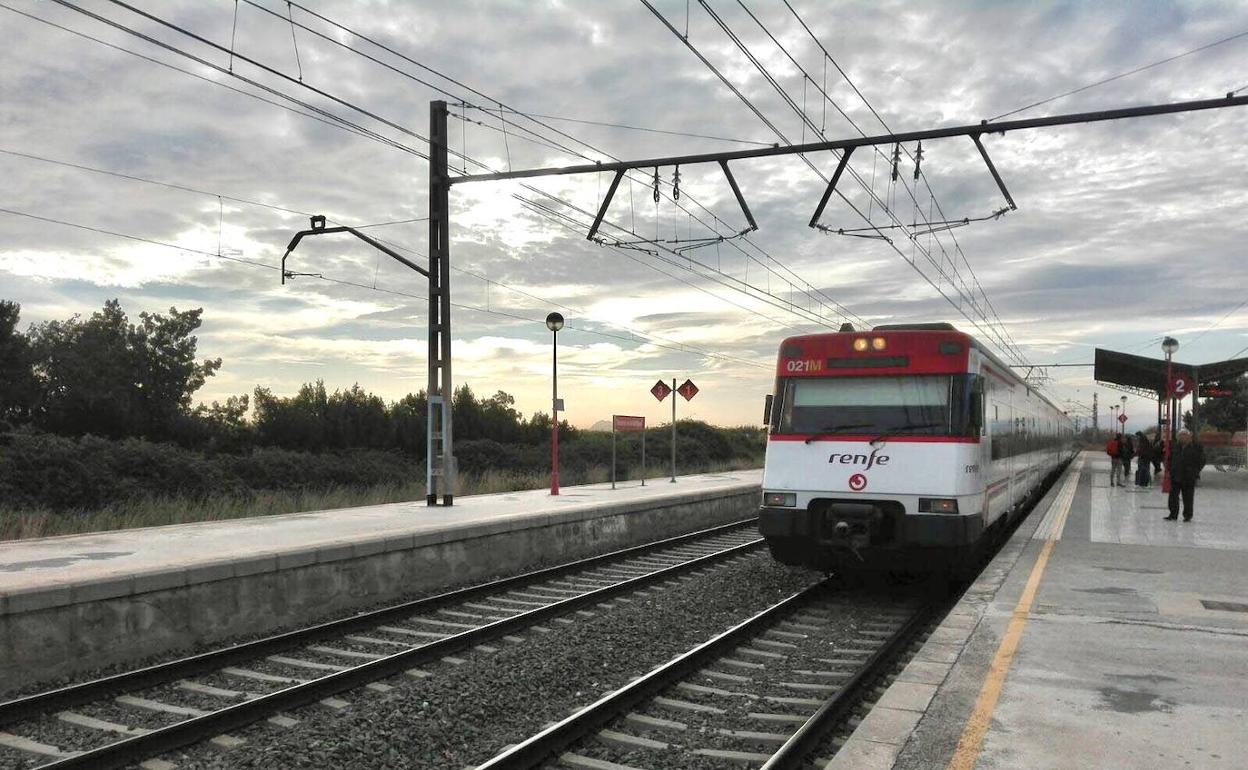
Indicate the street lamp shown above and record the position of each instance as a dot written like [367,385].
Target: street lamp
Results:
[1123,424]
[1169,346]
[554,322]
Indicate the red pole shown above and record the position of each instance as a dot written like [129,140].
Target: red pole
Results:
[554,413]
[1165,478]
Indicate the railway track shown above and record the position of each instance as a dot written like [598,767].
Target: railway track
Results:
[123,719]
[773,692]
[766,693]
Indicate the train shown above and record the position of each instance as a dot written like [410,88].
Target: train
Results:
[905,448]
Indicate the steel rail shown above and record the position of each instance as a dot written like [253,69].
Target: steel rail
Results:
[972,130]
[801,744]
[547,743]
[25,708]
[135,749]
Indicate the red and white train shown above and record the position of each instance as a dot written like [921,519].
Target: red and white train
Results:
[901,448]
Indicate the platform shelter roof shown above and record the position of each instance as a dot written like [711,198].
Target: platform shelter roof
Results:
[1149,374]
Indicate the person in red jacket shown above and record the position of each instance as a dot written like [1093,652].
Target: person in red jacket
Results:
[1113,448]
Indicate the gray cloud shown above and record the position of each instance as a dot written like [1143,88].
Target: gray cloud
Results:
[1124,231]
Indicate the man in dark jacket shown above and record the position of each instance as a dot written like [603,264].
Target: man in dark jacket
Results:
[1144,456]
[1187,459]
[1125,453]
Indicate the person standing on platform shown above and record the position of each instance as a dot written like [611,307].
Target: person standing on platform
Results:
[1159,453]
[1187,459]
[1115,459]
[1144,457]
[1124,447]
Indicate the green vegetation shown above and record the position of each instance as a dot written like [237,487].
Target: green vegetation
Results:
[98,431]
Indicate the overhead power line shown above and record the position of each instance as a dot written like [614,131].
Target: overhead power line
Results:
[640,336]
[331,121]
[994,334]
[1128,73]
[1005,339]
[817,295]
[790,306]
[677,347]
[607,124]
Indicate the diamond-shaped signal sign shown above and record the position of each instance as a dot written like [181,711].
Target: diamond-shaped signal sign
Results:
[661,390]
[688,390]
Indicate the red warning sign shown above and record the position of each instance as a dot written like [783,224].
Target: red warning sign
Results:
[661,390]
[688,390]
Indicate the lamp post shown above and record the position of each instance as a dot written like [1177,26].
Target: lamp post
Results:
[1123,424]
[554,322]
[1169,346]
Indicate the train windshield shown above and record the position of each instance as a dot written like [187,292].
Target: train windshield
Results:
[913,405]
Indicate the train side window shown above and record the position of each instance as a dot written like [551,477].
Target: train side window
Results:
[977,427]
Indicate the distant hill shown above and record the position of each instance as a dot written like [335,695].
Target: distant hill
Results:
[601,425]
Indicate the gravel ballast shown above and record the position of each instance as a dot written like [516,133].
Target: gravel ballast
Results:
[463,714]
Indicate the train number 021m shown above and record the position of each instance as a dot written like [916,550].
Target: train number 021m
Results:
[809,365]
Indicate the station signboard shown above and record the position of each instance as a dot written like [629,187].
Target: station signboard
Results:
[623,423]
[1215,390]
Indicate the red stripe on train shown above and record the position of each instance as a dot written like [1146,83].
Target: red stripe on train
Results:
[813,438]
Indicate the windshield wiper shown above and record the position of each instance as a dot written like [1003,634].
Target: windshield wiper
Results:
[831,429]
[903,428]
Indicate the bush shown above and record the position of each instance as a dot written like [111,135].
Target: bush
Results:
[41,471]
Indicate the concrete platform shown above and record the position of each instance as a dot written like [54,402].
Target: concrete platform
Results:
[1101,636]
[89,600]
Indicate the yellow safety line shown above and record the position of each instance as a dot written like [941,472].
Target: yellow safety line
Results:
[967,753]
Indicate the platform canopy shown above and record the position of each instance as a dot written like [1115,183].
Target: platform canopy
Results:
[1149,374]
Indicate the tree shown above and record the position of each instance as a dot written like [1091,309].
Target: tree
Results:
[409,416]
[112,378]
[356,418]
[298,422]
[18,387]
[1228,414]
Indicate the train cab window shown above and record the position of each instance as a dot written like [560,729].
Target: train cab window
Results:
[931,405]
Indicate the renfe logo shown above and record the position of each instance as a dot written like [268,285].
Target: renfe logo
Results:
[869,461]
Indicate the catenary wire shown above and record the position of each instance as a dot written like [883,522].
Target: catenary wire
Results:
[808,122]
[608,124]
[283,209]
[289,79]
[809,288]
[1003,330]
[989,329]
[678,347]
[1122,75]
[333,123]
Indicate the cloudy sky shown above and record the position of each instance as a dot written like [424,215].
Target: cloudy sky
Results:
[1125,231]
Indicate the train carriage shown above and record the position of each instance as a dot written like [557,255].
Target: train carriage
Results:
[900,448]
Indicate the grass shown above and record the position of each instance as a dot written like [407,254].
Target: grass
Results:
[160,511]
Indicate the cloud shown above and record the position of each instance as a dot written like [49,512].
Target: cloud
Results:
[1125,230]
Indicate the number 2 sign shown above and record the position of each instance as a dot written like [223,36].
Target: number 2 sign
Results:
[1180,385]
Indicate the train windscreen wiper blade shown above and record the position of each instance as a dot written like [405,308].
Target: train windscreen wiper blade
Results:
[828,430]
[903,428]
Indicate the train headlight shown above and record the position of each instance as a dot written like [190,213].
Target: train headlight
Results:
[860,344]
[780,499]
[937,505]
[878,343]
